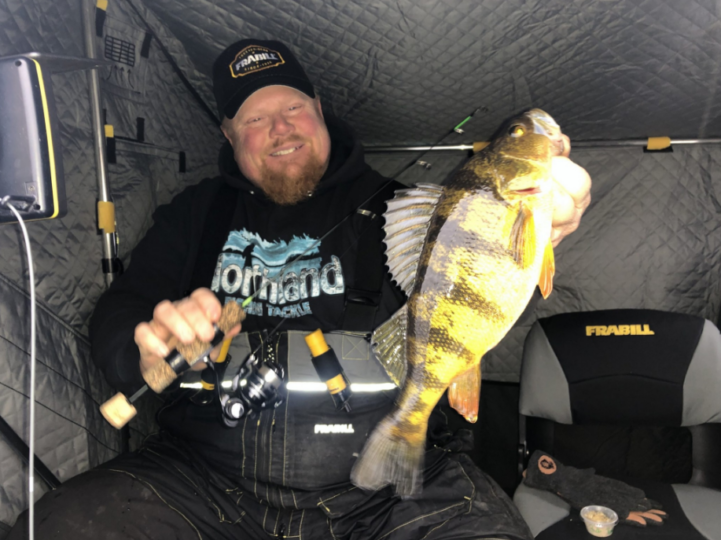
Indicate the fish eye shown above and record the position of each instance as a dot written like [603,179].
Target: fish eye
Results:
[516,131]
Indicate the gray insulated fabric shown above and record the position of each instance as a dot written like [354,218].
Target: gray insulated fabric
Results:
[71,435]
[650,239]
[407,71]
[70,432]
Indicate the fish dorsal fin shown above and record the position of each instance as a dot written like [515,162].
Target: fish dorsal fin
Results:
[389,345]
[548,269]
[407,220]
[523,237]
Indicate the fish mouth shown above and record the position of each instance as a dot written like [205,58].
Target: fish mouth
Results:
[535,190]
[544,124]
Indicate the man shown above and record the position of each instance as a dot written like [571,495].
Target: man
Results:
[282,219]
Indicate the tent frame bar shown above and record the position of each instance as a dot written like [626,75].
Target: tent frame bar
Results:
[575,144]
[14,440]
[110,248]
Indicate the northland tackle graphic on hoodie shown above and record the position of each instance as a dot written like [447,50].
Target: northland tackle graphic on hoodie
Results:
[285,274]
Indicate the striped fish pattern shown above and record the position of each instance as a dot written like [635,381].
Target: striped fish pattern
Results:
[469,254]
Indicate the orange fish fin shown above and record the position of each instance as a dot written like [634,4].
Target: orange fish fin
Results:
[548,270]
[523,237]
[464,393]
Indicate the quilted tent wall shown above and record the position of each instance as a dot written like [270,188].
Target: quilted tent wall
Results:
[71,434]
[402,72]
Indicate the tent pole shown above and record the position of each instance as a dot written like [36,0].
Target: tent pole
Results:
[110,262]
[574,144]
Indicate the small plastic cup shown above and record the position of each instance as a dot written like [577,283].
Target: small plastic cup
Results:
[599,520]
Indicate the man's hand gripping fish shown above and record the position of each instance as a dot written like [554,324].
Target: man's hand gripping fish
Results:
[469,255]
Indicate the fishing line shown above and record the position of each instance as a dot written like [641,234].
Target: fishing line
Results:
[5,201]
[456,129]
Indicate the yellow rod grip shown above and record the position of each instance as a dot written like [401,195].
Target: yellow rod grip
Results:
[478,146]
[106,216]
[658,143]
[336,384]
[316,343]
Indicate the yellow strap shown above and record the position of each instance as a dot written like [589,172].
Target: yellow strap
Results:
[109,131]
[478,146]
[106,216]
[223,351]
[102,4]
[658,143]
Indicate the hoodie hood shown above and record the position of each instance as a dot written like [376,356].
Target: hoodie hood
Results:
[346,160]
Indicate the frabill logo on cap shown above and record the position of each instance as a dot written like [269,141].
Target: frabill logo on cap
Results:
[254,58]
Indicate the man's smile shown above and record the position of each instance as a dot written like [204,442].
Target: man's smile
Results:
[286,151]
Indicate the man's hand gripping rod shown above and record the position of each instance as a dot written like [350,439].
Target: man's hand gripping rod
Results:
[119,410]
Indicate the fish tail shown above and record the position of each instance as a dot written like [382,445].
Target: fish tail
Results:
[389,458]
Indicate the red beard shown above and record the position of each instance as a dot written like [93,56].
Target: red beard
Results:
[286,190]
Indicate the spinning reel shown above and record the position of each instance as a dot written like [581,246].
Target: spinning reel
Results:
[257,386]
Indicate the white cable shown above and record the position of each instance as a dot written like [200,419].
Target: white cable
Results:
[31,453]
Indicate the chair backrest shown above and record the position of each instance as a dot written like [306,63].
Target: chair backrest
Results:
[623,378]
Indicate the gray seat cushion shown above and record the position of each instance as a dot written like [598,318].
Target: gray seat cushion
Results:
[702,507]
[539,508]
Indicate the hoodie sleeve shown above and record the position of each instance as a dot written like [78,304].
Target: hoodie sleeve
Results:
[155,273]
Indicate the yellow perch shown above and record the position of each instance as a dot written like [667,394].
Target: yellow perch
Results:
[469,254]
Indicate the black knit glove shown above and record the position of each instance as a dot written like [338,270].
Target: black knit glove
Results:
[583,487]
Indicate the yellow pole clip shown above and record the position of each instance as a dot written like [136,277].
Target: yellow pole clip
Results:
[102,4]
[478,146]
[658,143]
[106,216]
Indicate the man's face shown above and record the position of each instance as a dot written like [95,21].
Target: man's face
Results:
[280,142]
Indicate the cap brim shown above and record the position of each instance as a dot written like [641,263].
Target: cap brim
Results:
[236,100]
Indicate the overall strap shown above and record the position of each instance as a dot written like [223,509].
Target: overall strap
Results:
[364,297]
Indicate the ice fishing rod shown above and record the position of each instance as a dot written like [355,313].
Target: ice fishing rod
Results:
[119,409]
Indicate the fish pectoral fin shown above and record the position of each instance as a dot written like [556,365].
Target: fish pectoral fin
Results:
[548,270]
[523,237]
[464,393]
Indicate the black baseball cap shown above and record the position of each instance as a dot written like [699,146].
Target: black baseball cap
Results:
[251,64]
